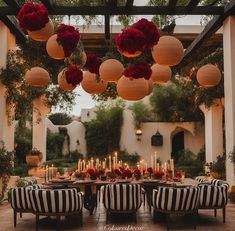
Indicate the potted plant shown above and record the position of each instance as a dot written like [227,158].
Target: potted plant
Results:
[34,157]
[218,168]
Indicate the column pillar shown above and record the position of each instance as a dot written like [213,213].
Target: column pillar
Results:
[40,111]
[7,123]
[213,130]
[229,86]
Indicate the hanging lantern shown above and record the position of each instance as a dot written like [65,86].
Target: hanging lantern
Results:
[208,76]
[37,77]
[91,85]
[62,82]
[160,74]
[54,49]
[132,89]
[44,34]
[150,86]
[168,52]
[111,70]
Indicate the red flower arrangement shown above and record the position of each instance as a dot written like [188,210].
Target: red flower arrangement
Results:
[126,173]
[33,16]
[131,40]
[68,37]
[150,170]
[73,75]
[93,63]
[178,175]
[158,174]
[138,70]
[150,31]
[117,172]
[90,171]
[137,172]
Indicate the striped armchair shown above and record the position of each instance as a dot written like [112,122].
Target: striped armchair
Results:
[171,200]
[214,195]
[121,198]
[19,200]
[57,202]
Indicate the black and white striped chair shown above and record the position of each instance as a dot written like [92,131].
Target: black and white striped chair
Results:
[57,202]
[121,198]
[214,195]
[19,200]
[201,179]
[173,200]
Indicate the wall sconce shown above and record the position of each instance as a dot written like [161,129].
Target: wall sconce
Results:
[157,139]
[138,134]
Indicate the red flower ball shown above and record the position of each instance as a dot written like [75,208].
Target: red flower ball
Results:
[131,40]
[127,173]
[90,171]
[68,37]
[117,172]
[150,31]
[158,173]
[93,63]
[178,175]
[73,75]
[150,170]
[137,172]
[33,16]
[138,70]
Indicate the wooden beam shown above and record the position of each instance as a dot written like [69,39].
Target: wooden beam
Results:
[192,4]
[209,30]
[172,4]
[107,27]
[129,4]
[13,4]
[49,4]
[12,23]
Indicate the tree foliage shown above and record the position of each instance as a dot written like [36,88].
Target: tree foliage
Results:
[60,118]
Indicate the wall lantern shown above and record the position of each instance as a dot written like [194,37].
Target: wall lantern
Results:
[138,134]
[157,139]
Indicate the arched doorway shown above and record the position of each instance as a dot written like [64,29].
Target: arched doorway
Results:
[177,144]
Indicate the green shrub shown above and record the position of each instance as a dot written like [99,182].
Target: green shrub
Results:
[131,159]
[60,118]
[76,155]
[21,170]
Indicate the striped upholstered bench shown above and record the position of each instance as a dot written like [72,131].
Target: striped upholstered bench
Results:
[121,198]
[19,200]
[172,200]
[214,195]
[57,202]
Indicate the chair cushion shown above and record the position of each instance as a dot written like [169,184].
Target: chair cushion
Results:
[55,201]
[122,197]
[201,179]
[176,199]
[19,198]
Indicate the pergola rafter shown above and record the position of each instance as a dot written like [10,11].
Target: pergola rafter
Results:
[192,4]
[13,4]
[49,4]
[172,4]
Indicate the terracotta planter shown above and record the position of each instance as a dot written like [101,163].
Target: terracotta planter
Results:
[91,85]
[54,49]
[132,89]
[33,160]
[111,70]
[37,77]
[44,34]
[63,83]
[168,52]
[160,74]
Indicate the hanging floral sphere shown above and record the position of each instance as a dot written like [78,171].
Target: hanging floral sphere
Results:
[208,76]
[92,84]
[150,31]
[160,74]
[37,77]
[62,82]
[131,42]
[34,18]
[150,86]
[139,69]
[93,63]
[132,89]
[111,70]
[168,52]
[54,49]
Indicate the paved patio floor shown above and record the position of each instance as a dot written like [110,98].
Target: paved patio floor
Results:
[206,221]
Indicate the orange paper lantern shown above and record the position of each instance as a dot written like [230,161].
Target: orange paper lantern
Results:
[54,49]
[168,52]
[132,89]
[62,82]
[91,85]
[129,55]
[37,77]
[160,74]
[208,76]
[150,86]
[111,70]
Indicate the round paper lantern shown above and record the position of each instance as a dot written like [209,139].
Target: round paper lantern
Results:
[111,70]
[160,74]
[44,34]
[132,89]
[62,82]
[208,76]
[150,86]
[168,52]
[91,85]
[54,49]
[37,77]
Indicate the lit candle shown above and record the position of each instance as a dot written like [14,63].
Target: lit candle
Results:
[92,162]
[166,166]
[79,165]
[114,162]
[152,161]
[110,163]
[84,164]
[158,167]
[116,159]
[52,170]
[155,160]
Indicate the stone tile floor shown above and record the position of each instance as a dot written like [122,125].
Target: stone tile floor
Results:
[206,221]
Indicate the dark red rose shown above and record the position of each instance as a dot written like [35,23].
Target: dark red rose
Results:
[73,75]
[127,173]
[150,170]
[117,172]
[68,37]
[93,63]
[33,16]
[137,172]
[91,171]
[150,31]
[158,173]
[138,70]
[131,40]
[178,175]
